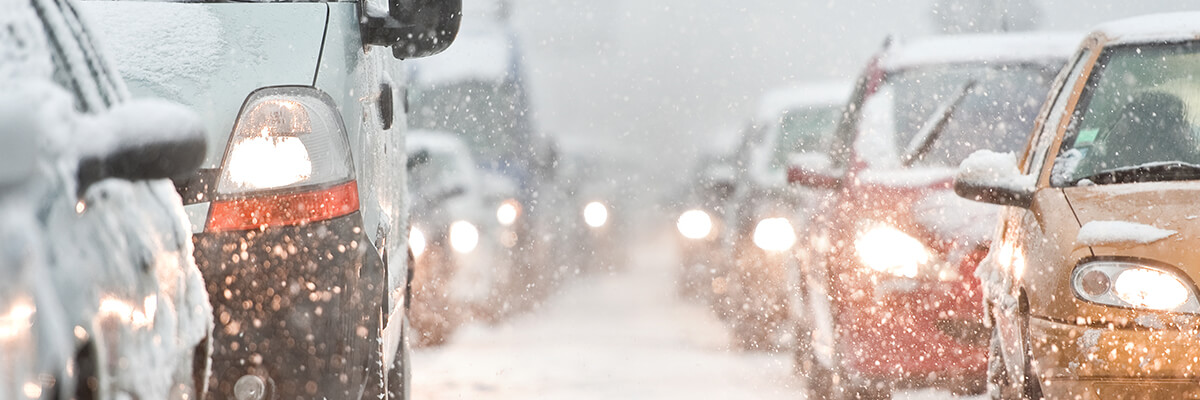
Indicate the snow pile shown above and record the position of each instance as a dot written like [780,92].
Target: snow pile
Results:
[1100,233]
[140,122]
[996,48]
[986,168]
[950,217]
[1153,28]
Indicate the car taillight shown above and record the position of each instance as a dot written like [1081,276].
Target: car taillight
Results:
[287,163]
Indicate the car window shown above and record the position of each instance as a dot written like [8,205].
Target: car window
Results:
[804,130]
[77,65]
[1049,130]
[996,113]
[1140,118]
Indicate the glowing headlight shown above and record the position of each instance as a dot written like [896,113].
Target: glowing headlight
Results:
[887,249]
[694,224]
[595,214]
[416,241]
[508,212]
[774,234]
[17,321]
[463,236]
[267,162]
[1127,284]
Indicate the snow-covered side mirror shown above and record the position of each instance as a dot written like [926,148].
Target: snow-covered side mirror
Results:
[991,177]
[813,170]
[141,140]
[412,28]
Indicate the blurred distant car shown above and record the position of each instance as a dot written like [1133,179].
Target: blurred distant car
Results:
[764,210]
[887,260]
[454,238]
[1090,286]
[299,210]
[101,297]
[710,187]
[477,90]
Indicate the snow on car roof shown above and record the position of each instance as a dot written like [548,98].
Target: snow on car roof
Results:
[435,141]
[812,94]
[1153,28]
[1034,46]
[482,54]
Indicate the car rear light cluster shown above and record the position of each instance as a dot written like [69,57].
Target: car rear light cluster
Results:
[288,163]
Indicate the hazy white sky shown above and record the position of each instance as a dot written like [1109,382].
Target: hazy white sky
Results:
[656,81]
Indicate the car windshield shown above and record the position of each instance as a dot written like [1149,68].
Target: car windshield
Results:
[439,170]
[804,130]
[1137,119]
[996,112]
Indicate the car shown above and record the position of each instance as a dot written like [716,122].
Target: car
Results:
[478,90]
[708,189]
[887,260]
[101,296]
[1090,282]
[795,121]
[456,242]
[299,210]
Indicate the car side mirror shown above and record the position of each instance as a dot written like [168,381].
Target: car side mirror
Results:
[417,158]
[813,170]
[990,177]
[143,140]
[412,28]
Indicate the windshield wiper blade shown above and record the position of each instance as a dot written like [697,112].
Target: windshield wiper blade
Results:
[923,141]
[1150,172]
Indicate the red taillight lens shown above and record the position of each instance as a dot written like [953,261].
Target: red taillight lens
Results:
[283,209]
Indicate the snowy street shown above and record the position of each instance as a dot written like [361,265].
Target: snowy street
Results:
[624,335]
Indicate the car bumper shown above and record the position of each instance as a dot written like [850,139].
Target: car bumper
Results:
[297,305]
[1086,362]
[923,335]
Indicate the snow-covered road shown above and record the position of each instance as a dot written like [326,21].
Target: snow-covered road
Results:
[623,335]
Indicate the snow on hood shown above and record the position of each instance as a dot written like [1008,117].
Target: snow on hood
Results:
[802,95]
[1035,46]
[483,54]
[950,217]
[989,168]
[1153,28]
[1100,233]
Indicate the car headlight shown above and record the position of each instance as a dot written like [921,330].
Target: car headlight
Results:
[17,321]
[694,224]
[508,212]
[1129,284]
[416,241]
[887,249]
[774,234]
[595,214]
[463,236]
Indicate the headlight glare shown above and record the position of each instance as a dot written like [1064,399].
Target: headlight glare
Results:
[774,234]
[463,236]
[416,241]
[1134,285]
[694,224]
[508,212]
[595,214]
[886,249]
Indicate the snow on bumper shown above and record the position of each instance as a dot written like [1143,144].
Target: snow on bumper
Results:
[1078,361]
[297,305]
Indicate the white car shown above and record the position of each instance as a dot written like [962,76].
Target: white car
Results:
[101,297]
[299,209]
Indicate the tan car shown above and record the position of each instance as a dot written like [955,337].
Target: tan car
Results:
[1090,284]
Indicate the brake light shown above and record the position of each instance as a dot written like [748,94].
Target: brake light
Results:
[287,163]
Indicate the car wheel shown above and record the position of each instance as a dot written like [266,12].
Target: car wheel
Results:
[1031,387]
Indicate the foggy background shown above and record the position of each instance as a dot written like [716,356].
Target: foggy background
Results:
[651,82]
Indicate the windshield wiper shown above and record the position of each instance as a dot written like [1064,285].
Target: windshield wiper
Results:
[1150,172]
[923,141]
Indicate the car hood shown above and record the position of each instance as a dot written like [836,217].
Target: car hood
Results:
[1154,221]
[210,56]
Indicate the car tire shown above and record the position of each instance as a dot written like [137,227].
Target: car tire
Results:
[1031,387]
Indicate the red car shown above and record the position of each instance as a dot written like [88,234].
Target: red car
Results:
[891,300]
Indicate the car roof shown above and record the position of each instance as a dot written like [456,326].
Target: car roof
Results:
[971,48]
[1168,27]
[435,141]
[809,94]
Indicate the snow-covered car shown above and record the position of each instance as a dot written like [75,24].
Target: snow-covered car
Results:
[101,297]
[477,90]
[455,240]
[888,261]
[299,210]
[1090,285]
[764,210]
